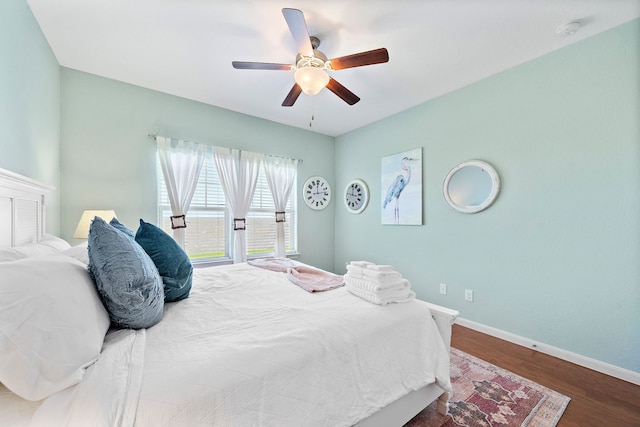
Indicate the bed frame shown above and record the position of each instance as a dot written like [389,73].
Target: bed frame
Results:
[402,410]
[22,209]
[22,221]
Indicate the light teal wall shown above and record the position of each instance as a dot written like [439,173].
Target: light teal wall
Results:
[108,161]
[557,257]
[29,102]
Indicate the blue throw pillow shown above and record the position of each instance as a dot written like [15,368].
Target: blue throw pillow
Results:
[120,226]
[172,262]
[126,278]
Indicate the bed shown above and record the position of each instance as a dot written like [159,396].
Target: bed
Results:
[247,347]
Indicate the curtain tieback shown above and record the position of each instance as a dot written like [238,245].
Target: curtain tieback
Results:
[281,217]
[178,221]
[239,224]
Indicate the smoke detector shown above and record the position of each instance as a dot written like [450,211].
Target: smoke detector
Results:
[568,29]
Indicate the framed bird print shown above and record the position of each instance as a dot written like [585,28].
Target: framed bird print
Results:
[401,189]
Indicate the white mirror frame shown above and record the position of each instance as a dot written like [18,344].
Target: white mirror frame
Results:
[495,186]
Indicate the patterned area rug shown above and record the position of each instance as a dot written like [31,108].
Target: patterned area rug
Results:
[485,395]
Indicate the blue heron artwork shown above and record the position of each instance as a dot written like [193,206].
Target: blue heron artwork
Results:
[402,188]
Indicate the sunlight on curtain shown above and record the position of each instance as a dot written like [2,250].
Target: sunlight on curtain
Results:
[281,175]
[181,162]
[238,172]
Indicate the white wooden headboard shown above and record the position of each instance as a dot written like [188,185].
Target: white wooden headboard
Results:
[22,209]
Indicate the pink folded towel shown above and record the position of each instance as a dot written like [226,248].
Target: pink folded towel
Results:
[309,278]
[313,279]
[274,264]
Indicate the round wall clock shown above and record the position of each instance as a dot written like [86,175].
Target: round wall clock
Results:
[316,192]
[356,196]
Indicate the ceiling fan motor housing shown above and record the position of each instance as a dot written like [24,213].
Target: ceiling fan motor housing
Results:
[317,60]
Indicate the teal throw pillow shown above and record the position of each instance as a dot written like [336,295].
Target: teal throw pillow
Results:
[172,262]
[126,278]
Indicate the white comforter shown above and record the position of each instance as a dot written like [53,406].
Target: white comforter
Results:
[249,348]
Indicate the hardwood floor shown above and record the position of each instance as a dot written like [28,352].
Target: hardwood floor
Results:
[596,399]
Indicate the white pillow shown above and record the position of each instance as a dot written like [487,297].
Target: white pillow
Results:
[54,242]
[10,254]
[79,252]
[49,245]
[52,324]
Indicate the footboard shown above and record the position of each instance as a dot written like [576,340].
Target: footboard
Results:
[444,318]
[401,411]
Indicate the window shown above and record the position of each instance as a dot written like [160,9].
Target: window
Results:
[209,232]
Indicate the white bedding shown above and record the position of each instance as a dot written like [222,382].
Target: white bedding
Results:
[249,348]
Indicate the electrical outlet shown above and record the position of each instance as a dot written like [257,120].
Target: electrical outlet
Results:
[443,288]
[468,295]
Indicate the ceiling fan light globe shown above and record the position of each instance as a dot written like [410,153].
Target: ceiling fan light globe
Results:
[311,79]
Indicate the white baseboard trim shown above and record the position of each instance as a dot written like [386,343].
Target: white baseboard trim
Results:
[596,365]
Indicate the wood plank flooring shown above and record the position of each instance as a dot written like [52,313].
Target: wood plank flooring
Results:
[596,399]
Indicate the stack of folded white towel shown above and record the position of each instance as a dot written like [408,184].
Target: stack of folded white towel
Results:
[379,284]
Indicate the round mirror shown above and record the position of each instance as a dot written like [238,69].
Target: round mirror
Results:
[471,186]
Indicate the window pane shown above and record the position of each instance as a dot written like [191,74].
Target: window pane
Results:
[207,221]
[262,198]
[261,223]
[205,235]
[261,233]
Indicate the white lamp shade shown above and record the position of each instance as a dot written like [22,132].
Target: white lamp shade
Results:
[311,79]
[82,230]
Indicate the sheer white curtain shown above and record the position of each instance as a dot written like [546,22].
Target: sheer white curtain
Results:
[281,174]
[181,163]
[238,172]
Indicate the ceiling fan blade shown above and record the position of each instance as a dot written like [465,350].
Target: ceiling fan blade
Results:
[345,94]
[298,27]
[376,56]
[242,65]
[292,96]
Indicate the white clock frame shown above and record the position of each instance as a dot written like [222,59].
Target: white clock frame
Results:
[365,196]
[312,203]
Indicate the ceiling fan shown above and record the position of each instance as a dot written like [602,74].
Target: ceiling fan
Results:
[312,66]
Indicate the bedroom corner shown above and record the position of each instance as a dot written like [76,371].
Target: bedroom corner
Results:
[30,103]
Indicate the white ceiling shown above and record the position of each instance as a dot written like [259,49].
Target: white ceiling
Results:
[185,47]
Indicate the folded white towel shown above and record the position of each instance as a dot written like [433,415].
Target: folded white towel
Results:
[372,274]
[380,275]
[363,264]
[356,270]
[387,281]
[367,285]
[400,297]
[380,267]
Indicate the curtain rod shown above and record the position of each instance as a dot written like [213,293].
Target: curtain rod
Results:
[153,136]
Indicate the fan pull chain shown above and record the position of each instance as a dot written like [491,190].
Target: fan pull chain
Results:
[312,115]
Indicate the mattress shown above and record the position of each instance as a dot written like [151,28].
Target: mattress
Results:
[249,348]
